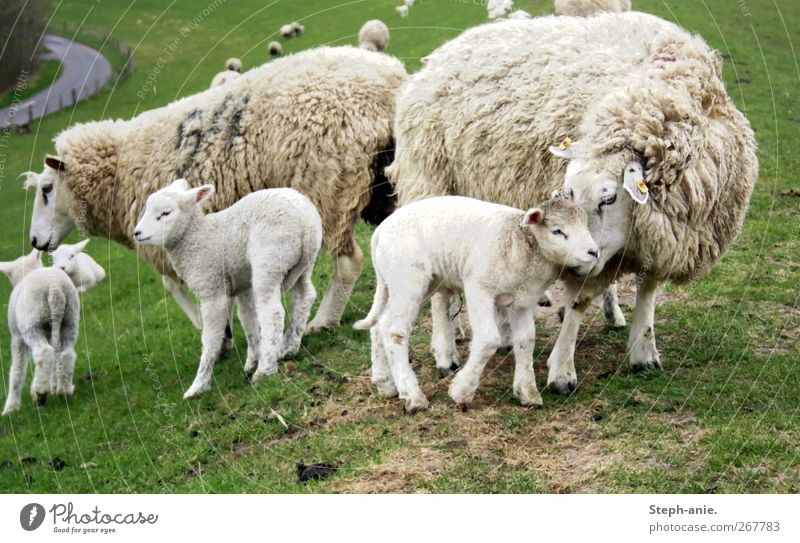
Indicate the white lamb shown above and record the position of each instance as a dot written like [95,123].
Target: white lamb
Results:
[374,35]
[43,313]
[501,257]
[402,10]
[264,244]
[298,28]
[80,267]
[287,31]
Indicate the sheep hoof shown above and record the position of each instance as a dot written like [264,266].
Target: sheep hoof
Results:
[462,395]
[260,374]
[10,408]
[413,405]
[528,396]
[40,398]
[196,390]
[448,371]
[564,385]
[316,326]
[545,301]
[386,388]
[647,365]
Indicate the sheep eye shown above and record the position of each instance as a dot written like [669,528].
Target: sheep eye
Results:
[607,201]
[47,189]
[71,257]
[163,214]
[558,232]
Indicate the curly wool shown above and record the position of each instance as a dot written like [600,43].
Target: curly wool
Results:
[584,8]
[481,127]
[314,121]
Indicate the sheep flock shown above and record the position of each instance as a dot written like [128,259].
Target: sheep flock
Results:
[630,160]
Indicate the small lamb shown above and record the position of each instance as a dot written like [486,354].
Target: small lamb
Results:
[402,10]
[80,267]
[43,313]
[502,258]
[263,245]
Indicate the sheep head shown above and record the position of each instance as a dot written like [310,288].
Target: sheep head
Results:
[17,269]
[51,221]
[169,212]
[562,235]
[606,188]
[66,256]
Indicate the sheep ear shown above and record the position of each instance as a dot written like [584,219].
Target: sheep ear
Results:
[5,268]
[200,194]
[30,180]
[634,183]
[55,163]
[533,216]
[81,245]
[180,184]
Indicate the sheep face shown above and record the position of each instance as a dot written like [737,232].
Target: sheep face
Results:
[169,212]
[605,190]
[17,269]
[51,221]
[66,256]
[562,233]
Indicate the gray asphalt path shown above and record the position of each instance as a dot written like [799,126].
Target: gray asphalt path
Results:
[83,69]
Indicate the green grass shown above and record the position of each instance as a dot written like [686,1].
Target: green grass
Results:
[721,417]
[47,71]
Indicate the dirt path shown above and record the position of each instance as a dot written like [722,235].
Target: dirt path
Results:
[83,69]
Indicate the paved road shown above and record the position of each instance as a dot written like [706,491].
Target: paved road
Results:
[83,69]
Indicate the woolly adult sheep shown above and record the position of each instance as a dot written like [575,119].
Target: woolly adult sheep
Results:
[263,245]
[584,8]
[275,49]
[374,35]
[319,121]
[43,314]
[233,69]
[647,103]
[501,257]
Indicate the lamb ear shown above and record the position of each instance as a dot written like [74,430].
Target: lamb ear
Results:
[55,163]
[180,185]
[567,149]
[533,216]
[30,180]
[200,194]
[634,183]
[81,245]
[5,268]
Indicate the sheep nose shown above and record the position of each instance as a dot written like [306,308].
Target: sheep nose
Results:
[593,253]
[137,233]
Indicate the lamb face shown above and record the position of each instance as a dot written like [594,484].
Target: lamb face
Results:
[168,212]
[17,269]
[66,257]
[51,221]
[562,233]
[604,188]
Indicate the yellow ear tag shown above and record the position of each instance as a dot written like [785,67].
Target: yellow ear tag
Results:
[642,186]
[565,144]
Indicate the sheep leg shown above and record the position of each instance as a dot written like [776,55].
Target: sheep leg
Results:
[44,359]
[65,361]
[454,312]
[642,339]
[184,301]
[381,370]
[347,268]
[302,298]
[214,312]
[443,335]
[249,319]
[611,310]
[16,377]
[485,342]
[395,327]
[523,334]
[562,377]
[270,319]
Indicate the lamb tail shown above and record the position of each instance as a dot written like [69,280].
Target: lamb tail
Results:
[378,304]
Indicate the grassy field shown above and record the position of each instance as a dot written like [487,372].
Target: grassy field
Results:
[721,416]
